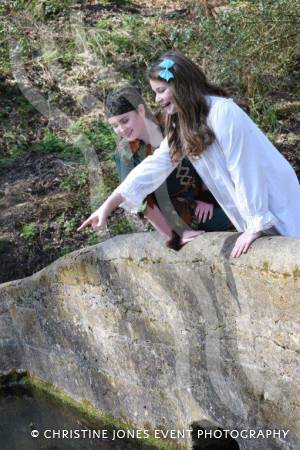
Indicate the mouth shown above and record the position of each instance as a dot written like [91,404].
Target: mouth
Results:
[165,105]
[127,135]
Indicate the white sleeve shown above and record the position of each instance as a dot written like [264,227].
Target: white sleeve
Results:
[243,144]
[146,178]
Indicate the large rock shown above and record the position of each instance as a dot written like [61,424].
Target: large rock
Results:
[165,339]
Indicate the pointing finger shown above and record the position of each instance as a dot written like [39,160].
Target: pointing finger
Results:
[85,224]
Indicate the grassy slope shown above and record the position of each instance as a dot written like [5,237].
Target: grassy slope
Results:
[72,54]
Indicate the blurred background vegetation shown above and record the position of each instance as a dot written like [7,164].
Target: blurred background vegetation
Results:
[74,52]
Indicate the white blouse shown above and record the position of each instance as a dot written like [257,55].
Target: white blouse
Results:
[251,180]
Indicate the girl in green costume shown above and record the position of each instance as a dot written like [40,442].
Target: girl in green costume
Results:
[181,208]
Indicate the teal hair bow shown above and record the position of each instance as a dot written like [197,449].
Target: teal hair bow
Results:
[166,74]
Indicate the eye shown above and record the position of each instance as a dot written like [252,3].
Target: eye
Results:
[124,121]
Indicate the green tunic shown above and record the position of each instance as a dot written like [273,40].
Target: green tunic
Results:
[177,197]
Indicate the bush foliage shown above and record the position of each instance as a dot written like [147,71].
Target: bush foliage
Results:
[249,46]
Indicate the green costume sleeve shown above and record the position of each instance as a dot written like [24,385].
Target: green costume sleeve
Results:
[123,159]
[118,164]
[125,162]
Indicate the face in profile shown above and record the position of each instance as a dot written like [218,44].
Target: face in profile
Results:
[130,125]
[164,96]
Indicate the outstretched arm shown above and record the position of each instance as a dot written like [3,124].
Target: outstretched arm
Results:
[99,218]
[141,181]
[146,178]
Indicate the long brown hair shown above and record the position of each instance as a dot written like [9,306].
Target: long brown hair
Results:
[187,129]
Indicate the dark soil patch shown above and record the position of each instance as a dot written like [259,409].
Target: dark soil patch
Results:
[32,193]
[36,188]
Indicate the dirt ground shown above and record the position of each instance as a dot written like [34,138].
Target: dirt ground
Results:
[33,188]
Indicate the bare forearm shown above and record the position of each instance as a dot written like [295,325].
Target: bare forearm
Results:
[112,202]
[100,216]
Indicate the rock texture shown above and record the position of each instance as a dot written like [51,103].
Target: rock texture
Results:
[166,339]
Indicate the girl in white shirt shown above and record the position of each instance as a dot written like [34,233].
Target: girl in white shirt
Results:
[250,179]
[181,209]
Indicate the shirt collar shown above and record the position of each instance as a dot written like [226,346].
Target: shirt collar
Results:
[135,145]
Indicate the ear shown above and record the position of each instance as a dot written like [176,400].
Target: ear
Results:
[141,110]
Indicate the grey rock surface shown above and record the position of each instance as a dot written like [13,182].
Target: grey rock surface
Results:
[167,339]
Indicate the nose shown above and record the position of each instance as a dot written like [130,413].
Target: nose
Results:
[157,98]
[122,128]
[119,130]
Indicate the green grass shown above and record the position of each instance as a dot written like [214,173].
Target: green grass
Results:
[4,58]
[93,239]
[29,231]
[13,153]
[63,51]
[65,250]
[98,133]
[70,225]
[126,43]
[42,9]
[250,47]
[264,114]
[51,143]
[75,182]
[122,227]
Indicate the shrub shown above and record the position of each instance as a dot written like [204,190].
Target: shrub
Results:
[75,181]
[29,231]
[51,143]
[69,225]
[65,250]
[122,227]
[46,9]
[103,139]
[125,44]
[98,132]
[251,44]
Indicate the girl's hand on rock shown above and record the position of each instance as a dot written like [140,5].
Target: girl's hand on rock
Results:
[204,211]
[189,235]
[97,220]
[243,243]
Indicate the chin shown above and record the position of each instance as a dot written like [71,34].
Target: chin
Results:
[131,138]
[171,110]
